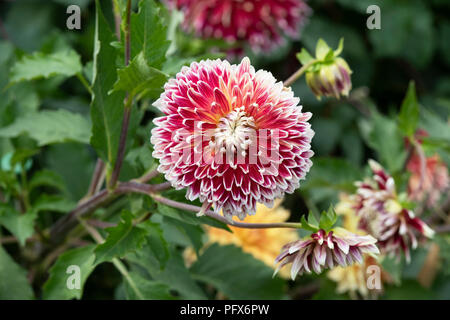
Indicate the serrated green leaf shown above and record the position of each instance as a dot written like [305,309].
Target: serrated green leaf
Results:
[150,289]
[149,34]
[140,80]
[186,234]
[409,112]
[156,242]
[56,287]
[106,109]
[13,279]
[20,225]
[229,269]
[175,273]
[121,239]
[40,65]
[48,127]
[385,138]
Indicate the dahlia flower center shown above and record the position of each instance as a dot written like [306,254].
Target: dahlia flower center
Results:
[234,132]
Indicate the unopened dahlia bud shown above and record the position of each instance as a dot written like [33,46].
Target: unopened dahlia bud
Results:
[231,136]
[322,250]
[260,23]
[383,216]
[331,80]
[328,74]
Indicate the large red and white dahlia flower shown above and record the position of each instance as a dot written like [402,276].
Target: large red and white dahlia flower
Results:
[261,23]
[232,136]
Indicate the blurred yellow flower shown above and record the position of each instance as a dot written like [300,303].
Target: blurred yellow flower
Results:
[345,208]
[353,279]
[263,244]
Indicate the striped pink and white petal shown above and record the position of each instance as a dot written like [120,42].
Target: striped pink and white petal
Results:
[315,253]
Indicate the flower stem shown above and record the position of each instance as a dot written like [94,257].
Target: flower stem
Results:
[298,74]
[148,176]
[97,177]
[218,217]
[127,109]
[117,18]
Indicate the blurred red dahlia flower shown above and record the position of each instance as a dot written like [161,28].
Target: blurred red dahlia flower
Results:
[435,182]
[232,136]
[259,22]
[322,250]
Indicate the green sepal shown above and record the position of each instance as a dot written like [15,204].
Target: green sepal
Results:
[328,219]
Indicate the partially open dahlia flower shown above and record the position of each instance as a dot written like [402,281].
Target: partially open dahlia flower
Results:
[383,216]
[261,23]
[232,136]
[322,250]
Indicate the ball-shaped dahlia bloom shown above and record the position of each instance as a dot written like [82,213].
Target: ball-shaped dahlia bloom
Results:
[261,23]
[232,136]
[322,250]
